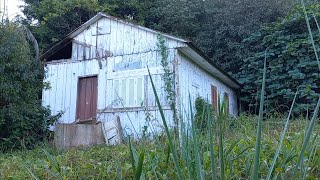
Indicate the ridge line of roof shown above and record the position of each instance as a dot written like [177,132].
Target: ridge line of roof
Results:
[100,15]
[143,27]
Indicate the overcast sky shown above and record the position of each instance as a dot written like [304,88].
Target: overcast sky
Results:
[13,7]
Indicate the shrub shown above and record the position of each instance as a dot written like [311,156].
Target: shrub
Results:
[200,116]
[291,64]
[23,121]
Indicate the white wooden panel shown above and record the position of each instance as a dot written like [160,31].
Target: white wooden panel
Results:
[131,49]
[64,79]
[102,85]
[195,81]
[104,26]
[133,122]
[121,38]
[120,42]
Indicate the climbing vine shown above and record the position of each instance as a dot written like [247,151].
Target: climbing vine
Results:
[168,76]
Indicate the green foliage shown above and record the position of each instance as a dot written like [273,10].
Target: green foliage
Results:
[23,121]
[217,27]
[204,111]
[110,162]
[168,76]
[291,64]
[57,18]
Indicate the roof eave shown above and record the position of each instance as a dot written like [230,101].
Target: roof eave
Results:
[234,83]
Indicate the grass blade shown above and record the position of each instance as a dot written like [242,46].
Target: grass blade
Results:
[29,170]
[310,32]
[259,129]
[174,154]
[132,157]
[139,167]
[308,134]
[222,115]
[281,138]
[213,163]
[195,144]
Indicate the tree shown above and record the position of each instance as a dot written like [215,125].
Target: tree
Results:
[23,121]
[56,18]
[230,22]
[291,63]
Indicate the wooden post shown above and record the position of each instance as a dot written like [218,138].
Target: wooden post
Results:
[119,130]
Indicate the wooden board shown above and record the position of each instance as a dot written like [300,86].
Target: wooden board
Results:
[87,98]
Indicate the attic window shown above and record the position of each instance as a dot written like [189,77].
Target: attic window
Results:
[64,53]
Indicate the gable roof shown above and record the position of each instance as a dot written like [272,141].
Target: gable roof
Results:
[192,51]
[91,21]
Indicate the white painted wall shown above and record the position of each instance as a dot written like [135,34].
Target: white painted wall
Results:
[117,38]
[125,52]
[63,78]
[194,81]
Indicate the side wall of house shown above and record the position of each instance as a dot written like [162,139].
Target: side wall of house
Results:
[118,54]
[196,82]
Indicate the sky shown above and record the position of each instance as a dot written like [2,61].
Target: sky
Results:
[13,7]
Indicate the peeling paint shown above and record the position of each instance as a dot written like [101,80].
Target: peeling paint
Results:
[113,51]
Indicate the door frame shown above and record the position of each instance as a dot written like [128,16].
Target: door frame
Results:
[77,91]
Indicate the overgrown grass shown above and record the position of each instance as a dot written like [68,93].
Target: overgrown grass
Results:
[115,161]
[242,148]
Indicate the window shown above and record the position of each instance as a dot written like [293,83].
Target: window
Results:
[214,97]
[226,99]
[129,92]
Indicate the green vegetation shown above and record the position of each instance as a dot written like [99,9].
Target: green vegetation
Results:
[291,64]
[23,121]
[217,27]
[210,145]
[115,161]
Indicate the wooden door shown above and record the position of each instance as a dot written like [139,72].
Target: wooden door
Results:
[214,98]
[87,98]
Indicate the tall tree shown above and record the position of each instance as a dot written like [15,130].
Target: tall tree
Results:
[56,18]
[23,121]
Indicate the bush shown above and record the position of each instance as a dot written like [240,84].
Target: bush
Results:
[291,64]
[23,121]
[201,116]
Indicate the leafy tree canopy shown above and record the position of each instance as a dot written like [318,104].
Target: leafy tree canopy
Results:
[57,18]
[217,27]
[291,63]
[23,121]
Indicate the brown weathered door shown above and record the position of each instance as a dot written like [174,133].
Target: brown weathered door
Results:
[214,98]
[87,98]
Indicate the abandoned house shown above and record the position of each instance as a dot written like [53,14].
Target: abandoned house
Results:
[100,72]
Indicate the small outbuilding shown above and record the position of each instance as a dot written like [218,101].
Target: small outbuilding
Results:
[99,72]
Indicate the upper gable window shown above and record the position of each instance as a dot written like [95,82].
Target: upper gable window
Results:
[64,53]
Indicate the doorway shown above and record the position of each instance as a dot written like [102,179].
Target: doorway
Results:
[87,98]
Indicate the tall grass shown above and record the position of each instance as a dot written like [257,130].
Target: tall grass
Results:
[258,141]
[175,156]
[229,149]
